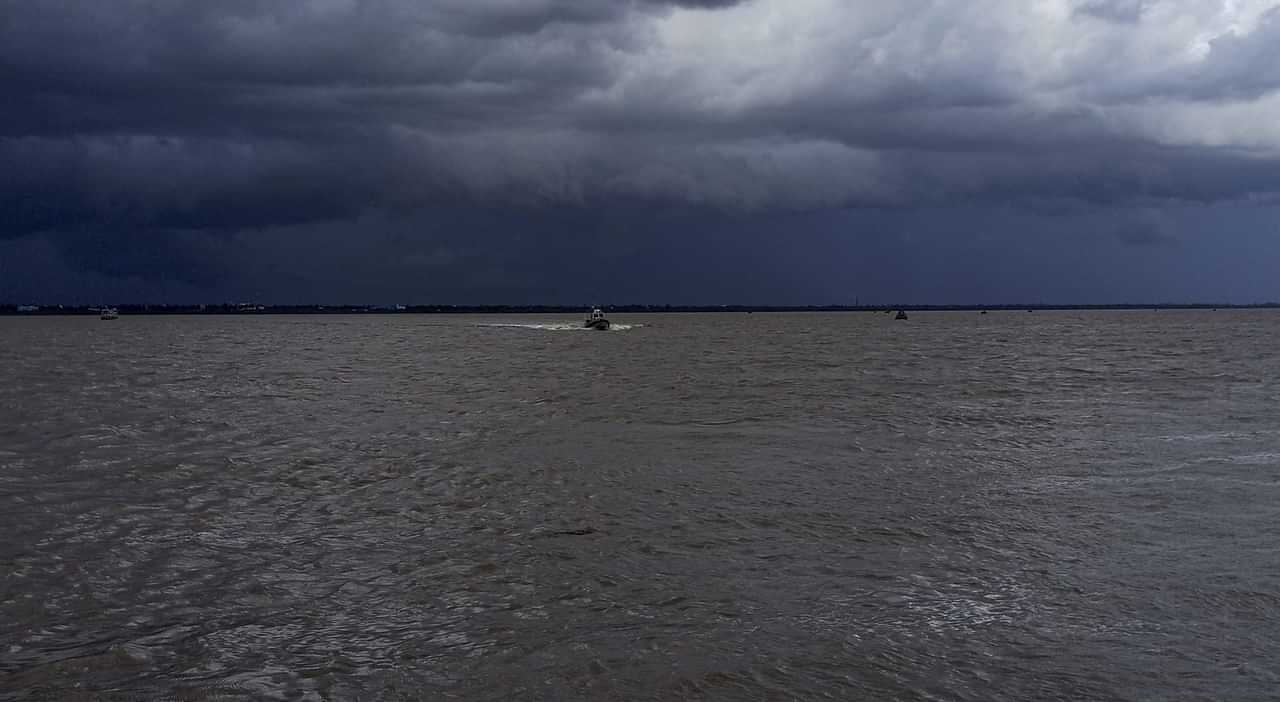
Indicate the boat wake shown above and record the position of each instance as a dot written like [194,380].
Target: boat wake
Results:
[560,326]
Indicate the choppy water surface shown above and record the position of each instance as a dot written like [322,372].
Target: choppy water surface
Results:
[958,507]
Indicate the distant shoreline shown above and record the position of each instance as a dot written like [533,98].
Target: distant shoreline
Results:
[68,310]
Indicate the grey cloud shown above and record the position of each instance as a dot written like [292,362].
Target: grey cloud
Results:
[1245,66]
[1128,11]
[1236,65]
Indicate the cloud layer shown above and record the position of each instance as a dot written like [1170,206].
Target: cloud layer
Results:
[143,122]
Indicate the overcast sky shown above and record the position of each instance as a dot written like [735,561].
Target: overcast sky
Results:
[579,151]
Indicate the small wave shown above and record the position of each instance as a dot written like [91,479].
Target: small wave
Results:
[559,326]
[1269,458]
[1217,436]
[1197,438]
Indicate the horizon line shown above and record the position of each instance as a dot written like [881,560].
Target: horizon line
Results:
[315,308]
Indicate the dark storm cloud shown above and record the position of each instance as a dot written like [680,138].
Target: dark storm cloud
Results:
[201,132]
[192,114]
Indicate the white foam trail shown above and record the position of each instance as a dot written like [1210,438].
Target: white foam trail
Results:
[558,326]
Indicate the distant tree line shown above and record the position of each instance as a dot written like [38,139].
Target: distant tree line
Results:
[245,308]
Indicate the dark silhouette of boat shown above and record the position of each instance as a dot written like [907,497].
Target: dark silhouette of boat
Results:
[902,314]
[596,320]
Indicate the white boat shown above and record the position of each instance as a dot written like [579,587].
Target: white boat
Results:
[109,313]
[596,320]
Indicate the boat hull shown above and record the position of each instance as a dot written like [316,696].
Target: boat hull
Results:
[598,324]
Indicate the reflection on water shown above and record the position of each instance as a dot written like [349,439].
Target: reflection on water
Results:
[1050,506]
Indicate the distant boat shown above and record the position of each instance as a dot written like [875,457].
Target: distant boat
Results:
[902,314]
[109,313]
[983,312]
[596,320]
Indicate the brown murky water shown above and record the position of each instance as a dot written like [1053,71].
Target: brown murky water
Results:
[1001,507]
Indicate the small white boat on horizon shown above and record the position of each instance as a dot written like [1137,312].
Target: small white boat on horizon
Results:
[107,313]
